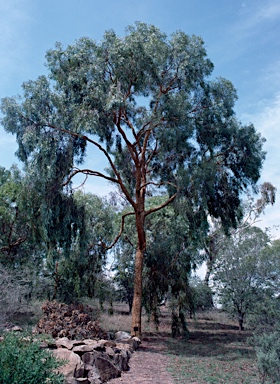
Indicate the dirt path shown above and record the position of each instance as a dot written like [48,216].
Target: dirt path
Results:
[147,365]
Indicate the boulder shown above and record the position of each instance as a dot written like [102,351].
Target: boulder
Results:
[121,335]
[106,369]
[73,363]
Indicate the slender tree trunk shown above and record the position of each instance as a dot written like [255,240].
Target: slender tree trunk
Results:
[240,321]
[209,267]
[211,251]
[140,176]
[137,297]
[56,281]
[138,269]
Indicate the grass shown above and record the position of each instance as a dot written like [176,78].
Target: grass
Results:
[120,320]
[216,352]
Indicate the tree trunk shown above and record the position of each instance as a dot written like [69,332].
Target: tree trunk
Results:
[141,247]
[56,281]
[209,263]
[208,272]
[137,297]
[240,321]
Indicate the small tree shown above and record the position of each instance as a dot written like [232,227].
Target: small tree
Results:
[238,272]
[251,211]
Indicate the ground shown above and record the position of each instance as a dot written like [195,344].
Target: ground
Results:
[216,352]
[148,365]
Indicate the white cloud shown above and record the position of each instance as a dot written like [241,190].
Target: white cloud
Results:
[257,13]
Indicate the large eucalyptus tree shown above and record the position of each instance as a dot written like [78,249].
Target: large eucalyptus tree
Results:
[145,103]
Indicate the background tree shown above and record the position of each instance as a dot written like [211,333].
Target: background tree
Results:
[14,226]
[238,276]
[144,102]
[251,212]
[20,256]
[124,273]
[78,273]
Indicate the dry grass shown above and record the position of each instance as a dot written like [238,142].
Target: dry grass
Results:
[216,351]
[120,320]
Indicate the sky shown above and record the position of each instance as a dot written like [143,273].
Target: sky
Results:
[242,39]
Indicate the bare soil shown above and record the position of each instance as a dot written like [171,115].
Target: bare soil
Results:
[147,365]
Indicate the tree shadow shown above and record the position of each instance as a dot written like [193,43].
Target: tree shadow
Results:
[222,345]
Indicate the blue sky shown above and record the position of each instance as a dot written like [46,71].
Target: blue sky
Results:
[242,39]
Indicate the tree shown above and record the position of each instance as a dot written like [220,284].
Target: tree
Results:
[251,211]
[14,227]
[124,274]
[238,275]
[146,104]
[76,274]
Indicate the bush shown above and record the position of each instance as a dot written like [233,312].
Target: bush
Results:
[268,356]
[22,361]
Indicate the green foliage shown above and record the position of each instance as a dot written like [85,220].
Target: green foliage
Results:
[202,295]
[14,223]
[265,317]
[239,268]
[268,356]
[76,272]
[124,275]
[23,361]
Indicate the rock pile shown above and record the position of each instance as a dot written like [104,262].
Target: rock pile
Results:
[93,361]
[91,358]
[71,321]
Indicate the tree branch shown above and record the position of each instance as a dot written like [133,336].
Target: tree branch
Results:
[167,202]
[89,172]
[9,247]
[120,232]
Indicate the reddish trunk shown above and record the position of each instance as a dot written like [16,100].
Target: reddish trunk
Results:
[137,297]
[139,260]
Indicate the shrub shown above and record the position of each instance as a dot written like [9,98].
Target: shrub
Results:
[268,356]
[22,361]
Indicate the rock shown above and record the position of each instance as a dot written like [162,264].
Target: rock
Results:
[68,369]
[88,358]
[121,360]
[108,343]
[64,342]
[94,378]
[106,369]
[17,329]
[121,335]
[80,349]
